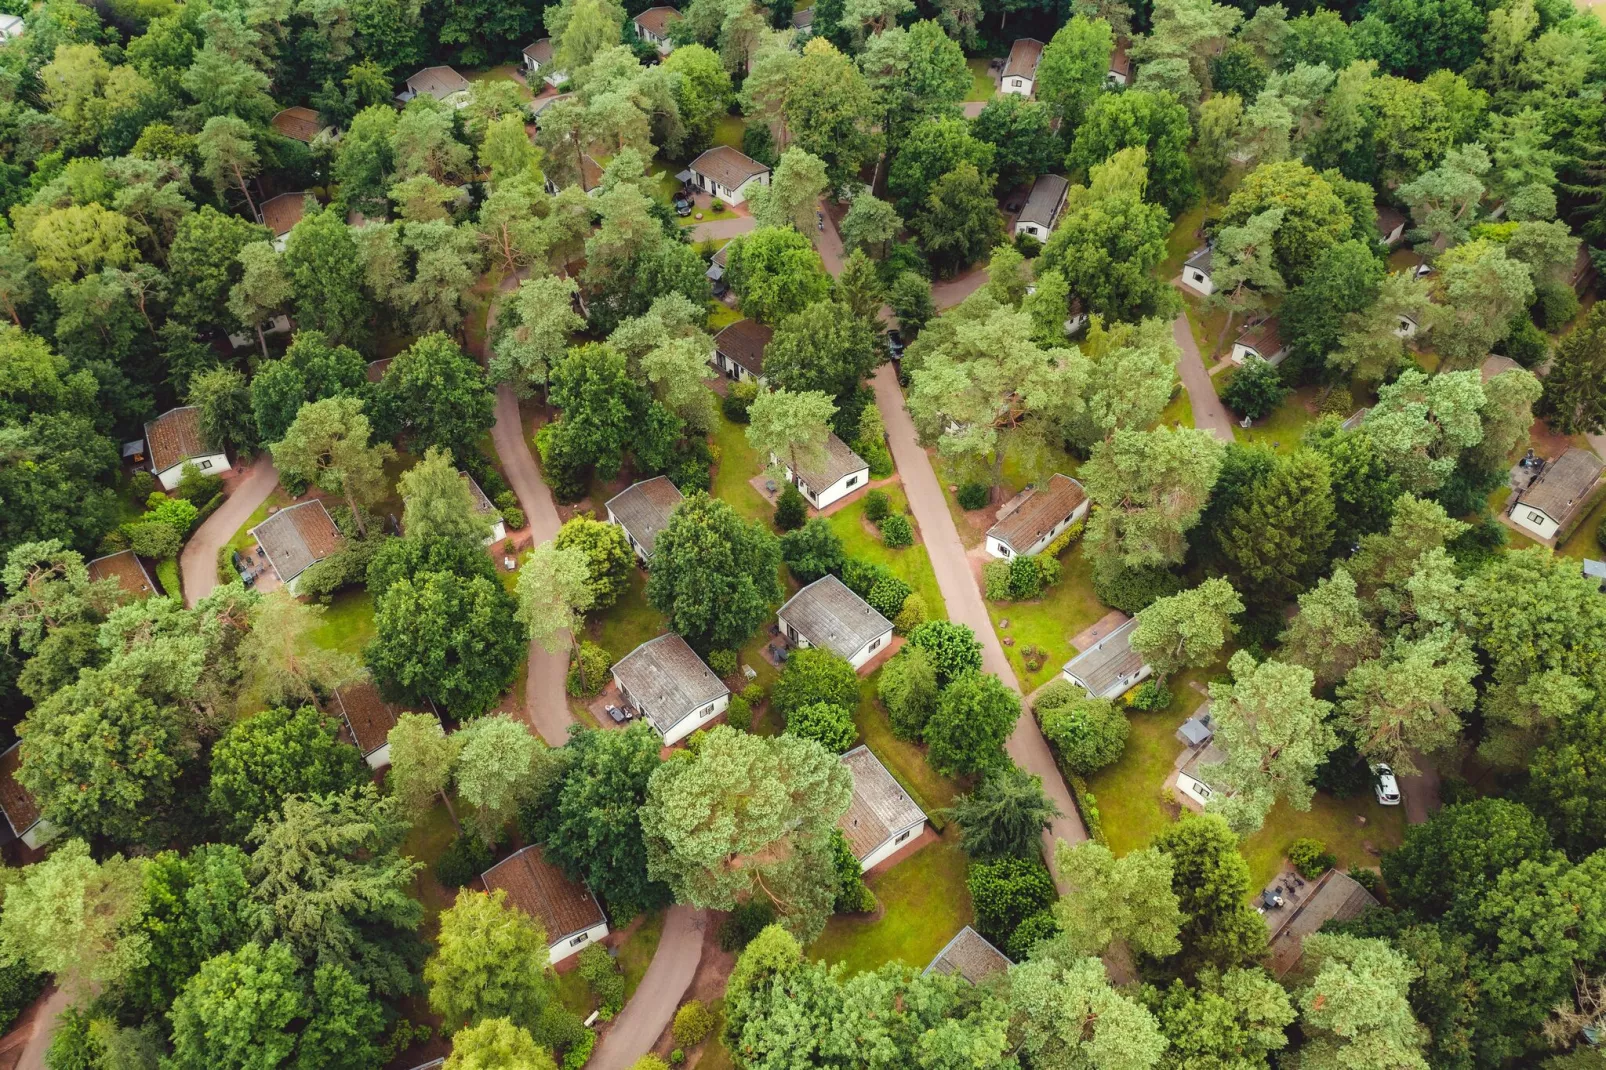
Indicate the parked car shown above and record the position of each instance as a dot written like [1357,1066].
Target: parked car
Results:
[1387,788]
[895,344]
[682,206]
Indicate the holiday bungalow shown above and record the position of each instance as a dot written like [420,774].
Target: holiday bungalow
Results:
[484,506]
[652,26]
[881,817]
[1390,225]
[739,350]
[803,24]
[837,474]
[1120,72]
[280,215]
[366,720]
[1109,666]
[590,177]
[18,805]
[442,83]
[566,909]
[1334,897]
[1262,340]
[642,510]
[1196,272]
[127,569]
[174,439]
[538,61]
[726,174]
[296,538]
[1042,209]
[300,124]
[1020,69]
[826,614]
[1039,517]
[671,687]
[1554,500]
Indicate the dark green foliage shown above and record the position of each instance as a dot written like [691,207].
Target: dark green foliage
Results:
[896,531]
[1567,781]
[1255,390]
[1453,860]
[975,715]
[862,576]
[723,662]
[1019,130]
[737,399]
[953,647]
[790,509]
[888,595]
[853,895]
[398,559]
[973,495]
[1005,892]
[744,923]
[196,906]
[714,574]
[1575,387]
[1033,930]
[276,753]
[1134,589]
[464,859]
[1555,305]
[1087,733]
[1238,69]
[1211,881]
[1005,814]
[815,675]
[739,714]
[826,723]
[451,640]
[1345,774]
[1525,343]
[588,670]
[908,689]
[1275,537]
[19,986]
[1026,578]
[1345,279]
[910,298]
[1311,857]
[876,506]
[1364,490]
[607,982]
[812,550]
[1147,119]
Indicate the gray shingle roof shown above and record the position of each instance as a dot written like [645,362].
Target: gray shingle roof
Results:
[1200,258]
[1564,484]
[832,617]
[540,53]
[839,460]
[1043,206]
[1336,897]
[668,681]
[1101,667]
[880,807]
[1038,514]
[437,82]
[643,508]
[970,956]
[297,537]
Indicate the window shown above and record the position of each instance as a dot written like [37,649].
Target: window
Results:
[853,481]
[904,835]
[875,646]
[578,940]
[206,464]
[1537,518]
[706,710]
[1003,550]
[1198,277]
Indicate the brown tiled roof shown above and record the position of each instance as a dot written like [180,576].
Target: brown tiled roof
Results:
[590,173]
[1264,337]
[545,102]
[15,800]
[656,20]
[1495,364]
[283,212]
[1024,55]
[744,342]
[1107,661]
[1387,219]
[1120,62]
[1038,514]
[297,537]
[829,615]
[837,460]
[368,717]
[643,509]
[301,124]
[1564,484]
[1043,206]
[727,166]
[1336,897]
[668,681]
[438,82]
[880,808]
[376,369]
[970,956]
[175,437]
[127,570]
[540,53]
[537,887]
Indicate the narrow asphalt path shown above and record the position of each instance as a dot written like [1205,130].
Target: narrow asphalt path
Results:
[197,562]
[546,707]
[647,1015]
[1027,746]
[1209,414]
[715,229]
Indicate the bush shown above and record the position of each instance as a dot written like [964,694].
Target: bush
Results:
[973,495]
[1007,891]
[142,484]
[790,509]
[853,896]
[1311,857]
[717,205]
[1555,305]
[908,689]
[739,715]
[877,456]
[744,923]
[737,400]
[1032,931]
[723,662]
[598,970]
[1369,879]
[812,550]
[677,1056]
[465,858]
[1345,773]
[913,614]
[1028,245]
[693,1022]
[826,723]
[153,539]
[1133,589]
[577,1054]
[753,693]
[1053,550]
[588,670]
[195,486]
[345,568]
[952,646]
[995,580]
[1339,402]
[1025,578]
[1087,733]
[877,506]
[896,531]
[1255,390]
[815,675]
[1150,695]
[861,576]
[19,986]
[514,518]
[888,595]
[1526,344]
[1049,570]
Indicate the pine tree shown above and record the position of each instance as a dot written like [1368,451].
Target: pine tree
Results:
[1277,536]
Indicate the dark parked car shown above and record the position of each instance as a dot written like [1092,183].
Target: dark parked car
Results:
[682,206]
[895,344]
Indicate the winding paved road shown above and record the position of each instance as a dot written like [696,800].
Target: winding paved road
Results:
[1209,413]
[197,562]
[669,974]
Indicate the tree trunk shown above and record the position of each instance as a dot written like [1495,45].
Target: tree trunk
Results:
[249,203]
[356,515]
[262,340]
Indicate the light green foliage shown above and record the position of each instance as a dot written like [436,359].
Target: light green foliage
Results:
[496,770]
[790,429]
[775,272]
[1276,735]
[1149,488]
[278,752]
[422,756]
[1065,1015]
[794,189]
[329,445]
[1330,634]
[1127,899]
[908,690]
[1369,345]
[870,224]
[1088,733]
[1229,1020]
[975,715]
[1132,374]
[1189,628]
[497,1044]
[1243,266]
[1355,1012]
[438,503]
[1481,288]
[826,723]
[1421,424]
[526,352]
[1444,201]
[1074,66]
[1410,698]
[609,560]
[491,961]
[70,916]
[237,1010]
[555,591]
[1314,216]
[814,675]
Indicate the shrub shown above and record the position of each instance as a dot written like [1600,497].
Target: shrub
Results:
[142,484]
[1088,733]
[717,205]
[649,1062]
[578,1053]
[1133,589]
[1032,931]
[181,514]
[588,670]
[908,689]
[19,986]
[677,1056]
[973,495]
[790,509]
[877,506]
[1526,344]
[739,715]
[877,456]
[693,1022]
[815,675]
[744,923]
[598,970]
[1345,773]
[737,400]
[1028,245]
[995,580]
[723,662]
[506,500]
[896,531]
[1005,892]
[812,550]
[1339,402]
[1255,390]
[1311,857]
[339,570]
[1025,578]
[826,723]
[1150,695]
[1049,570]
[1064,539]
[888,595]
[1369,879]
[1555,305]
[753,693]
[853,896]
[195,486]
[861,576]
[912,615]
[953,647]
[514,518]
[153,539]
[465,858]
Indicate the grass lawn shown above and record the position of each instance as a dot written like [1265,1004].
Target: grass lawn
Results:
[426,841]
[347,624]
[924,902]
[1180,412]
[1181,241]
[502,73]
[637,952]
[1284,427]
[906,761]
[575,994]
[738,462]
[715,1056]
[629,622]
[728,131]
[981,83]
[1333,822]
[912,564]
[1581,543]
[721,315]
[1049,622]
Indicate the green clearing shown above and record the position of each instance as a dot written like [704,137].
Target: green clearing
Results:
[346,624]
[728,131]
[426,841]
[1049,622]
[1284,428]
[981,83]
[502,73]
[1180,412]
[575,994]
[715,1056]
[1334,822]
[1181,241]
[924,902]
[912,564]
[636,953]
[738,462]
[905,760]
[627,623]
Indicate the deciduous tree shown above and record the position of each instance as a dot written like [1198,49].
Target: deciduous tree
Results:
[1127,899]
[452,640]
[328,444]
[491,962]
[438,503]
[974,717]
[714,574]
[1276,735]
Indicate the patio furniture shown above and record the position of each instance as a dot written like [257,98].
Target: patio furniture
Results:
[615,713]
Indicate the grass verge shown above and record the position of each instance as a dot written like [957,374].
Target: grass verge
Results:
[1049,622]
[912,564]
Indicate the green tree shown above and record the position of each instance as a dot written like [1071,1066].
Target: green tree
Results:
[278,752]
[1451,862]
[1065,1015]
[1220,118]
[1004,815]
[1343,281]
[828,110]
[237,1010]
[438,503]
[1211,882]
[1481,289]
[1187,629]
[1575,387]
[959,222]
[1088,733]
[326,275]
[1276,535]
[1021,134]
[203,264]
[824,347]
[1314,216]
[795,187]
[749,816]
[496,771]
[1331,633]
[908,690]
[1151,487]
[491,961]
[1005,892]
[953,648]
[790,429]
[1355,1013]
[714,574]
[1110,239]
[602,406]
[775,272]
[975,715]
[497,1044]
[1151,120]
[1127,899]
[827,723]
[438,394]
[70,916]
[224,401]
[328,444]
[609,561]
[1409,698]
[422,757]
[932,149]
[1226,1020]
[812,550]
[812,676]
[453,640]
[1074,66]
[870,223]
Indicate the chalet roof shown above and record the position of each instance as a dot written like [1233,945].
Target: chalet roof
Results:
[1564,485]
[657,20]
[1336,897]
[668,681]
[175,437]
[1200,258]
[832,617]
[367,717]
[838,460]
[437,82]
[1264,337]
[744,342]
[1046,200]
[540,53]
[540,889]
[297,537]
[1389,219]
[803,20]
[545,102]
[21,811]
[298,123]
[376,369]
[970,956]
[643,509]
[1495,364]
[880,808]
[1037,515]
[482,504]
[1120,62]
[1103,664]
[590,173]
[727,166]
[1024,56]
[127,569]
[281,213]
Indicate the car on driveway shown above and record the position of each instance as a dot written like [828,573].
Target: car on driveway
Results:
[682,206]
[1386,786]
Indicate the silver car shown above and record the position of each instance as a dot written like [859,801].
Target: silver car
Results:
[1387,788]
